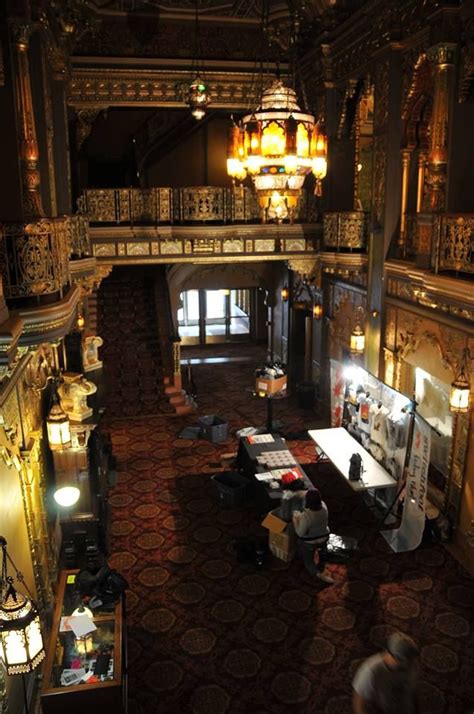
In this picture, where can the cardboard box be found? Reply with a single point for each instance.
(270, 386)
(281, 537)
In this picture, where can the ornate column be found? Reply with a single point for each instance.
(20, 31)
(406, 155)
(442, 57)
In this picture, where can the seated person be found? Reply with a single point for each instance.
(293, 498)
(311, 526)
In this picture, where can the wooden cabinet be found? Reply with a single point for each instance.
(98, 658)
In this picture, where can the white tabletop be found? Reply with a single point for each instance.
(339, 445)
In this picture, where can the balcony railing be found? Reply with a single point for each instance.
(34, 257)
(454, 248)
(197, 204)
(345, 231)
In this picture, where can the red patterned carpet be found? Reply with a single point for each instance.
(209, 635)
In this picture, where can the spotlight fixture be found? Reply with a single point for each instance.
(460, 394)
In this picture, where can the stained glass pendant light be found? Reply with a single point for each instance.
(198, 91)
(278, 145)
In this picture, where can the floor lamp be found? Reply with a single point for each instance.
(21, 641)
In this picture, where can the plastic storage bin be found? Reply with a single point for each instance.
(231, 488)
(213, 428)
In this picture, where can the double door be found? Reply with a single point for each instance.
(212, 316)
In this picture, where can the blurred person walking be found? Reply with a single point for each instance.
(386, 683)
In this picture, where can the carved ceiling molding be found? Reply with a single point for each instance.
(117, 87)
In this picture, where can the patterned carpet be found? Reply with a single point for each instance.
(209, 635)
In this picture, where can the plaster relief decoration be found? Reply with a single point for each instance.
(90, 352)
(73, 393)
(233, 246)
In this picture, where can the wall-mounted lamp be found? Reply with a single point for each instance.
(317, 311)
(21, 641)
(357, 341)
(57, 424)
(285, 293)
(459, 396)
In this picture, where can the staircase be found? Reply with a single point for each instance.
(131, 319)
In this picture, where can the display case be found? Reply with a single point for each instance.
(85, 673)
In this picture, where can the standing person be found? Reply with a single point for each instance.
(386, 682)
(311, 527)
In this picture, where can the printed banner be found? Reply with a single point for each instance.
(408, 536)
(338, 386)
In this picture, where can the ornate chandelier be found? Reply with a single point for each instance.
(278, 146)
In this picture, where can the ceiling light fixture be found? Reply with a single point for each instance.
(198, 92)
(278, 145)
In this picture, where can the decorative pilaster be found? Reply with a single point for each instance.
(31, 198)
(442, 57)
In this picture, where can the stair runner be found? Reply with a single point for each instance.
(132, 354)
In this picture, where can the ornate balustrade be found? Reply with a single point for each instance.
(344, 231)
(34, 257)
(454, 242)
(197, 204)
(78, 236)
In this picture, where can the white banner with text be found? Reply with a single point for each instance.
(408, 536)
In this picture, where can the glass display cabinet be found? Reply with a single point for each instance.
(85, 671)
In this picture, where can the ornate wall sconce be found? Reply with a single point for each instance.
(357, 341)
(57, 425)
(285, 293)
(317, 311)
(21, 640)
(460, 393)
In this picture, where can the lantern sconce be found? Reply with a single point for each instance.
(460, 393)
(21, 640)
(285, 293)
(57, 425)
(317, 311)
(357, 341)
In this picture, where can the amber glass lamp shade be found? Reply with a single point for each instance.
(285, 294)
(317, 311)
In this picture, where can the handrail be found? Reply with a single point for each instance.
(195, 204)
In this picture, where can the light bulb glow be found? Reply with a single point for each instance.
(67, 496)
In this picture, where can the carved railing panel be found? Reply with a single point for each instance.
(455, 243)
(34, 257)
(78, 235)
(203, 204)
(347, 230)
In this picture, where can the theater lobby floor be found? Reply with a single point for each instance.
(208, 634)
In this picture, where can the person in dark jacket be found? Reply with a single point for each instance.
(312, 530)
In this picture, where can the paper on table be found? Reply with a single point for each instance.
(81, 625)
(267, 476)
(261, 439)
